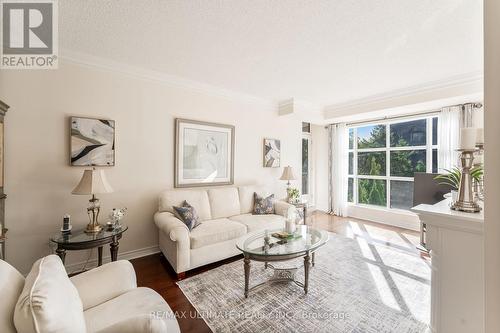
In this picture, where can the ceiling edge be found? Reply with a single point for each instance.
(454, 86)
(171, 80)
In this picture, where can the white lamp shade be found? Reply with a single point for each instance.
(93, 182)
(288, 174)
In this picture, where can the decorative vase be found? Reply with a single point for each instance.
(290, 226)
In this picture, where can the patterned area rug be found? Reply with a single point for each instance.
(355, 286)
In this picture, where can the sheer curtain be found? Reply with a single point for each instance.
(448, 137)
(338, 158)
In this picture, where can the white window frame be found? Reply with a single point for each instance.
(429, 147)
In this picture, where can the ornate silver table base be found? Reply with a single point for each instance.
(279, 274)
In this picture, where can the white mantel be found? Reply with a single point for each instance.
(455, 241)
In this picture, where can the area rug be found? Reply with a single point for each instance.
(355, 286)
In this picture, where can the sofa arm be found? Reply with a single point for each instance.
(281, 207)
(104, 283)
(174, 240)
(176, 230)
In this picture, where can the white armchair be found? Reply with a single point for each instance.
(105, 299)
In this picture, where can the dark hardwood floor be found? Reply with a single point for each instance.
(155, 272)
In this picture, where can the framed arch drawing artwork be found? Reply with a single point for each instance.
(204, 153)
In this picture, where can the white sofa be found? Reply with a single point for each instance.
(105, 299)
(226, 215)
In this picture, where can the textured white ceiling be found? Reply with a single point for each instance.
(322, 51)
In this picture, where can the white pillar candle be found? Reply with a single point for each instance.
(480, 136)
(468, 138)
(478, 159)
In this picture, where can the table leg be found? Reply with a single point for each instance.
(99, 256)
(305, 214)
(307, 264)
(313, 256)
(265, 265)
(114, 250)
(61, 253)
(246, 265)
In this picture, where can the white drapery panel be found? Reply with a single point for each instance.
(339, 137)
(448, 137)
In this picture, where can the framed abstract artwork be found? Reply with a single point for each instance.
(272, 153)
(92, 142)
(204, 153)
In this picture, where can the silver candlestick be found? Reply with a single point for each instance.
(466, 202)
(478, 183)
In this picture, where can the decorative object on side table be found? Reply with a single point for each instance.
(287, 175)
(92, 142)
(204, 153)
(115, 217)
(466, 200)
(82, 240)
(272, 153)
(66, 228)
(478, 183)
(290, 220)
(93, 182)
(293, 194)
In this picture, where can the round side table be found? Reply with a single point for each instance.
(303, 206)
(80, 240)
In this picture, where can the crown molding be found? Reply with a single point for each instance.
(458, 85)
(107, 64)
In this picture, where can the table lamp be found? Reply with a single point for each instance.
(93, 182)
(287, 175)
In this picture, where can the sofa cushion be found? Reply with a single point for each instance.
(196, 198)
(49, 301)
(263, 205)
(224, 202)
(11, 285)
(216, 231)
(139, 310)
(246, 197)
(260, 222)
(188, 215)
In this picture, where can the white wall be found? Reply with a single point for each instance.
(492, 165)
(39, 179)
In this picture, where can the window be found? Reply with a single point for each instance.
(307, 168)
(383, 158)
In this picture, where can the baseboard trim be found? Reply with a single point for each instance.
(127, 255)
(400, 219)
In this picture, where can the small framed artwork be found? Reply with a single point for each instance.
(204, 153)
(92, 142)
(272, 152)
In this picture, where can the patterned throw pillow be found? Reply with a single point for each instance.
(262, 206)
(187, 214)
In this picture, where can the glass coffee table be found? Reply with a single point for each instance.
(262, 246)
